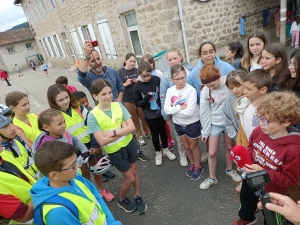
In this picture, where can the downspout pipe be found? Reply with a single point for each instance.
(183, 32)
(283, 6)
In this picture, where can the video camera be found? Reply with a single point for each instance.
(258, 180)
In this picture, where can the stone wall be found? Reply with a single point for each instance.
(158, 23)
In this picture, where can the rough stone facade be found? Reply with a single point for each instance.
(158, 23)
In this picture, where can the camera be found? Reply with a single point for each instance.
(258, 180)
(94, 43)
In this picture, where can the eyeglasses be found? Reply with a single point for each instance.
(179, 79)
(264, 121)
(73, 167)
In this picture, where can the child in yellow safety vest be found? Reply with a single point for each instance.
(25, 122)
(111, 124)
(61, 196)
(75, 115)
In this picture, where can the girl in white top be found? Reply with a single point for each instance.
(295, 28)
(212, 119)
(181, 103)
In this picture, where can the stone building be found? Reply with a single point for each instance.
(17, 47)
(138, 26)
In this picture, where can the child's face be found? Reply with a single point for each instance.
(57, 126)
(130, 63)
(9, 131)
(84, 101)
(229, 55)
(275, 129)
(237, 90)
(23, 107)
(174, 59)
(293, 67)
(256, 46)
(105, 96)
(208, 54)
(252, 92)
(62, 100)
(68, 170)
(180, 80)
(145, 76)
(214, 85)
(268, 61)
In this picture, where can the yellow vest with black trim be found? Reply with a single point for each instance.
(106, 123)
(13, 185)
(90, 211)
(24, 159)
(31, 132)
(75, 125)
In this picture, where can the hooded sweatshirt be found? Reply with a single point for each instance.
(194, 80)
(41, 191)
(212, 113)
(231, 120)
(280, 157)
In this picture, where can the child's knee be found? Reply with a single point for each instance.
(212, 154)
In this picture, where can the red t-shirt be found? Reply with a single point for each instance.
(11, 207)
(72, 89)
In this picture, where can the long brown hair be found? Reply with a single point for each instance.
(54, 90)
(246, 60)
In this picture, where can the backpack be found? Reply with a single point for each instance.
(54, 200)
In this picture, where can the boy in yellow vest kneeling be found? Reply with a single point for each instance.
(62, 197)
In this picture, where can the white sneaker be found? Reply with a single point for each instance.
(233, 174)
(207, 183)
(292, 44)
(141, 140)
(170, 155)
(183, 161)
(204, 156)
(296, 46)
(158, 158)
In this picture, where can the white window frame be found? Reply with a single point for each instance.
(91, 36)
(37, 8)
(42, 41)
(60, 45)
(51, 2)
(43, 6)
(55, 47)
(107, 40)
(49, 47)
(76, 43)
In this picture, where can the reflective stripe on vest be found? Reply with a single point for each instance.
(31, 132)
(75, 125)
(106, 123)
(24, 159)
(90, 211)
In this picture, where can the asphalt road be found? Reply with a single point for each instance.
(171, 197)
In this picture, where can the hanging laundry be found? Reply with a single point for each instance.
(242, 28)
(266, 17)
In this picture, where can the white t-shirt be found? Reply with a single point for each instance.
(250, 120)
(255, 66)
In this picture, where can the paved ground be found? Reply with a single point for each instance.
(170, 196)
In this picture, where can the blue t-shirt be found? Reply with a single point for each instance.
(93, 125)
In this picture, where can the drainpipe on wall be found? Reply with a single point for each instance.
(283, 6)
(183, 32)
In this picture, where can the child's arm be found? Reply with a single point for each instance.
(78, 144)
(127, 128)
(22, 135)
(230, 129)
(168, 108)
(164, 85)
(138, 99)
(205, 115)
(191, 103)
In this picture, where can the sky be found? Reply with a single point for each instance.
(10, 15)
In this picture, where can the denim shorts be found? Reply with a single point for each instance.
(191, 131)
(216, 130)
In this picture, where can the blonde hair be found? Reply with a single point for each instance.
(279, 107)
(176, 50)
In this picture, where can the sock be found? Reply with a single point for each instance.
(212, 178)
(228, 170)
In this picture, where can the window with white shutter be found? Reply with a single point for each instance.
(107, 39)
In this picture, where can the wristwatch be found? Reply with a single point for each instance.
(86, 58)
(115, 133)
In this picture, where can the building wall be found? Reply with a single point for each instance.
(19, 57)
(158, 23)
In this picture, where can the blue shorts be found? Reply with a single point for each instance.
(216, 130)
(191, 131)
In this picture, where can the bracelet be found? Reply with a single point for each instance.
(115, 133)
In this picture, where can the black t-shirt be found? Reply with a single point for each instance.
(124, 75)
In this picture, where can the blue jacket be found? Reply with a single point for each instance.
(41, 191)
(86, 79)
(194, 79)
(165, 83)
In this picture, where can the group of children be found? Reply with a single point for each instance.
(255, 106)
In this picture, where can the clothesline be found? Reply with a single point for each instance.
(245, 16)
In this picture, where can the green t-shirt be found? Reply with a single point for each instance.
(93, 125)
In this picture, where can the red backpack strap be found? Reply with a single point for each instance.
(78, 110)
(68, 138)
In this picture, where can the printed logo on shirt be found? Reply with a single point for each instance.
(178, 100)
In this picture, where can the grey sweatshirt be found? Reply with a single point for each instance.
(231, 119)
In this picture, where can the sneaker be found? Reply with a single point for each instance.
(127, 205)
(140, 205)
(107, 195)
(141, 140)
(104, 179)
(190, 171)
(183, 161)
(292, 44)
(158, 158)
(242, 222)
(197, 173)
(148, 136)
(169, 154)
(233, 174)
(204, 156)
(207, 183)
(143, 157)
(296, 46)
(171, 145)
(238, 188)
(109, 174)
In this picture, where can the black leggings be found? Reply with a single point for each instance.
(157, 128)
